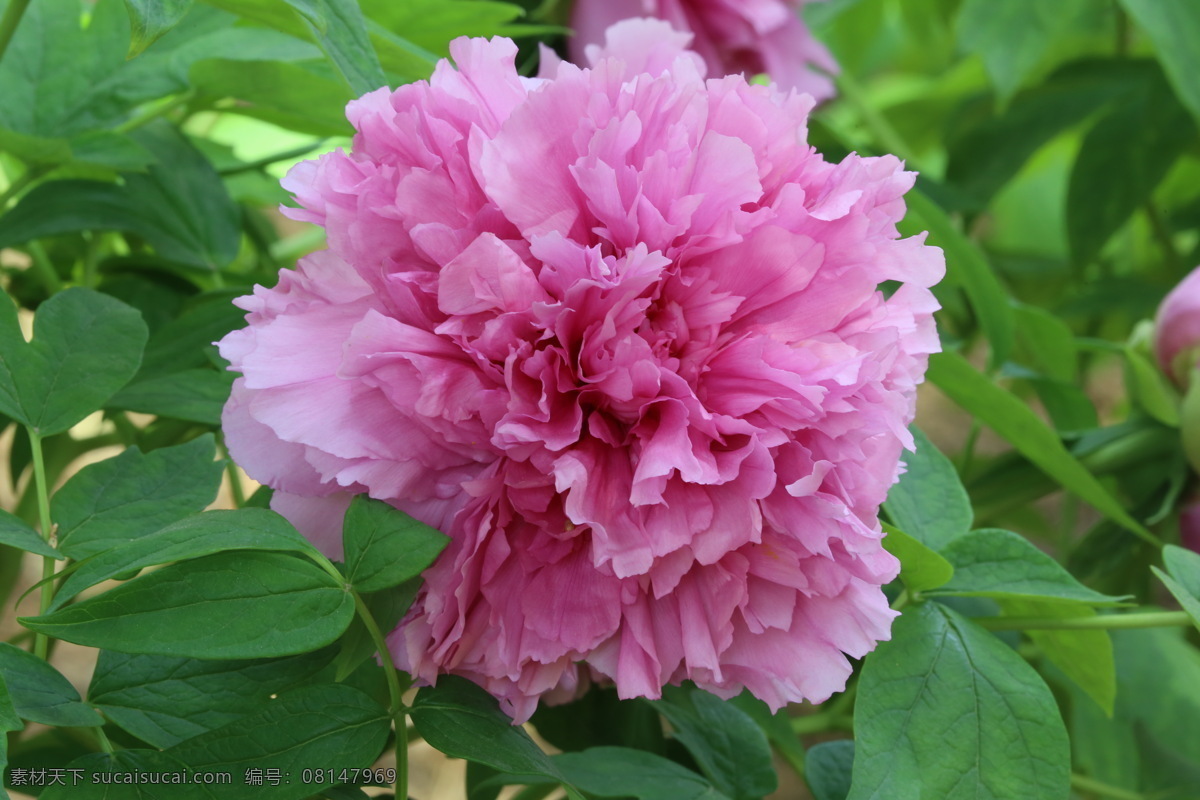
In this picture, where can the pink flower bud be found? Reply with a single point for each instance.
(732, 36)
(1189, 526)
(1177, 329)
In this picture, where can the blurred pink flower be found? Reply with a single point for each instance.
(1189, 525)
(1177, 329)
(732, 36)
(617, 332)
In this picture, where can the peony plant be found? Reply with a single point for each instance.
(615, 331)
(582, 399)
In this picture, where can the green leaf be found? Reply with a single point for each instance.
(1084, 656)
(117, 151)
(625, 772)
(920, 567)
(967, 267)
(150, 19)
(1184, 566)
(298, 97)
(122, 499)
(384, 546)
(1122, 159)
(179, 205)
(600, 719)
(1047, 343)
(230, 605)
(1035, 116)
(1013, 36)
(83, 785)
(995, 563)
(777, 725)
(331, 726)
(179, 345)
(947, 710)
(1016, 422)
(85, 347)
(1149, 388)
(827, 769)
(193, 395)
(39, 693)
(463, 721)
(165, 700)
(1174, 27)
(1158, 671)
(207, 33)
(339, 27)
(9, 721)
(198, 535)
(432, 24)
(1183, 581)
(15, 533)
(56, 76)
(730, 749)
(1069, 407)
(929, 502)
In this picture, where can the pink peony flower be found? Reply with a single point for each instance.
(732, 36)
(617, 332)
(1177, 329)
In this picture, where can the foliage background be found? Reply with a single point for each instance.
(141, 145)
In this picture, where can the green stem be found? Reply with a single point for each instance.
(535, 792)
(266, 161)
(154, 112)
(44, 268)
(843, 704)
(968, 453)
(10, 21)
(821, 722)
(397, 710)
(102, 738)
(885, 135)
(393, 681)
(1162, 235)
(1070, 518)
(1085, 784)
(41, 643)
(16, 187)
(91, 258)
(126, 430)
(235, 480)
(401, 787)
(1153, 619)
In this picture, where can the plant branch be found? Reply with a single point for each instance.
(16, 187)
(1162, 235)
(41, 642)
(231, 469)
(267, 161)
(397, 710)
(44, 268)
(1085, 784)
(885, 135)
(1153, 619)
(155, 111)
(821, 722)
